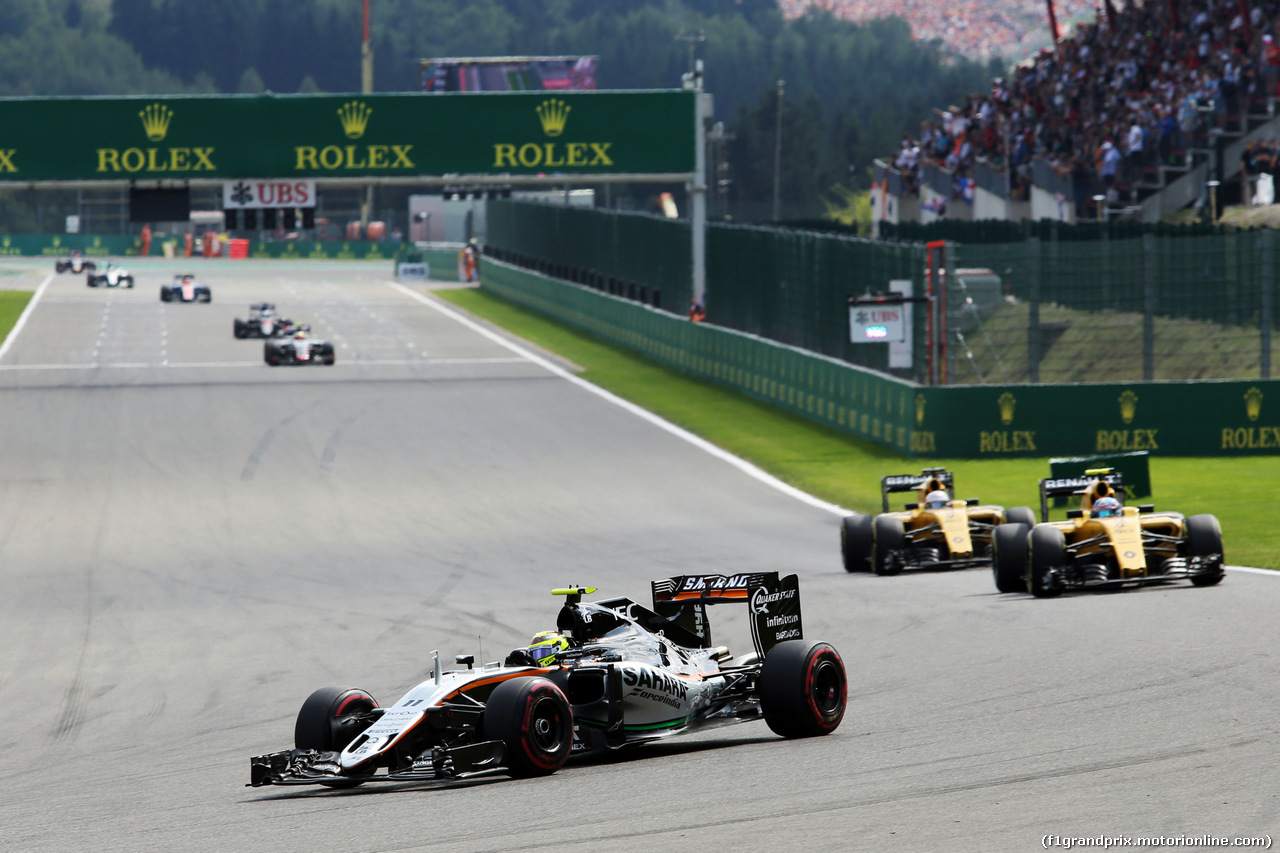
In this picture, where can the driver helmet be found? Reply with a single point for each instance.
(1106, 507)
(545, 645)
(936, 499)
(299, 334)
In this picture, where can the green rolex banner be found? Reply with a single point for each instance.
(346, 136)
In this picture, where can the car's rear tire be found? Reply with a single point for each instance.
(207, 296)
(165, 294)
(1020, 515)
(803, 688)
(127, 281)
(1204, 538)
(91, 280)
(888, 538)
(533, 720)
(1009, 556)
(329, 720)
(61, 267)
(855, 542)
(1048, 556)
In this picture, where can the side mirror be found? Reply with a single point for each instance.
(467, 659)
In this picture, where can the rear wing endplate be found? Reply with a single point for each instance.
(913, 482)
(773, 601)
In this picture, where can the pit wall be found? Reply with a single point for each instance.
(1170, 418)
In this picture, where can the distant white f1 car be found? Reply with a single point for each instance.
(113, 276)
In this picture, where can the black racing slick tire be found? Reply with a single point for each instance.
(855, 542)
(240, 328)
(127, 281)
(1048, 555)
(803, 688)
(1020, 515)
(532, 718)
(1009, 556)
(166, 294)
(888, 539)
(1204, 539)
(330, 719)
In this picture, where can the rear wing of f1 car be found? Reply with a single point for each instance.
(1062, 487)
(772, 601)
(914, 482)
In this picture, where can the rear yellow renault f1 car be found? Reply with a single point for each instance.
(935, 532)
(1105, 544)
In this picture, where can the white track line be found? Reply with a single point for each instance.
(26, 312)
(702, 444)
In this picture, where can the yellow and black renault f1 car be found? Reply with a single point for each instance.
(936, 531)
(1105, 544)
(616, 674)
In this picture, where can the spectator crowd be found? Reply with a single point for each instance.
(1134, 88)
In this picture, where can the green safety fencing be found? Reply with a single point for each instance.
(634, 249)
(1007, 231)
(993, 421)
(842, 396)
(790, 286)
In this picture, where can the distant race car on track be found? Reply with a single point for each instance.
(75, 263)
(263, 322)
(113, 276)
(298, 348)
(185, 288)
(612, 674)
(1105, 544)
(934, 532)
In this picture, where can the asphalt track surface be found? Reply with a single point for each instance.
(191, 542)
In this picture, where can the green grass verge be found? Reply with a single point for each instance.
(12, 302)
(847, 471)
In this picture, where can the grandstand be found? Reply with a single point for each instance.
(1144, 111)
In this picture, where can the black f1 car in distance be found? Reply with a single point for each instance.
(185, 288)
(299, 348)
(1105, 544)
(616, 674)
(74, 263)
(112, 276)
(263, 322)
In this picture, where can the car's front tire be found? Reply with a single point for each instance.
(533, 720)
(166, 294)
(1048, 556)
(889, 537)
(330, 719)
(803, 688)
(855, 542)
(1009, 556)
(1204, 538)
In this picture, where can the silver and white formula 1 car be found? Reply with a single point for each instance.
(618, 674)
(112, 276)
(298, 348)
